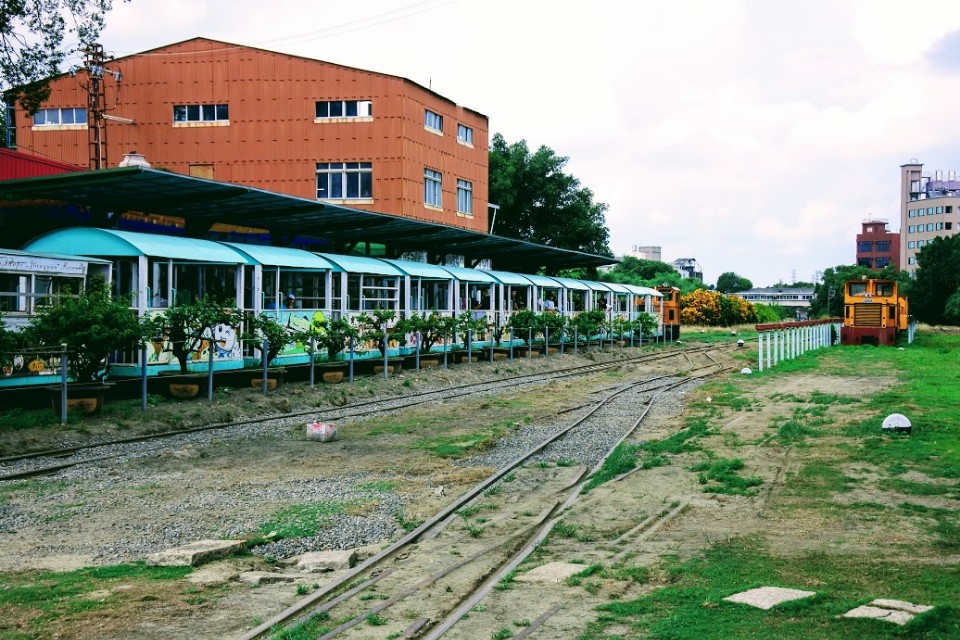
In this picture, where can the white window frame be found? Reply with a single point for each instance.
(432, 121)
(201, 115)
(465, 134)
(432, 188)
(464, 197)
(340, 174)
(363, 109)
(60, 111)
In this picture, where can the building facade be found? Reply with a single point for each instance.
(273, 121)
(929, 208)
(877, 246)
(797, 300)
(688, 268)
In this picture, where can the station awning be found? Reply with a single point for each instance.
(89, 241)
(201, 203)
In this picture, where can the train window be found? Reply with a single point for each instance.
(857, 288)
(884, 289)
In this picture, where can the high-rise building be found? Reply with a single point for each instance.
(929, 208)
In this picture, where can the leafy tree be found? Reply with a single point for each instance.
(937, 281)
(92, 325)
(187, 325)
(649, 273)
(729, 282)
(711, 308)
(32, 47)
(540, 203)
(823, 305)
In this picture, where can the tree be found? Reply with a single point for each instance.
(92, 325)
(729, 282)
(540, 203)
(649, 273)
(32, 47)
(937, 281)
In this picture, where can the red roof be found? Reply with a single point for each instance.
(14, 164)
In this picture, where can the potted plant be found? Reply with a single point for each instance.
(552, 325)
(92, 325)
(376, 327)
(587, 324)
(469, 327)
(525, 325)
(184, 328)
(266, 328)
(333, 336)
(431, 330)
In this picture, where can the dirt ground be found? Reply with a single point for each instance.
(740, 427)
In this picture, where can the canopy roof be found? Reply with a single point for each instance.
(510, 278)
(201, 203)
(420, 269)
(90, 241)
(470, 275)
(361, 264)
(281, 257)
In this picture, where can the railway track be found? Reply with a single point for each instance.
(26, 465)
(418, 571)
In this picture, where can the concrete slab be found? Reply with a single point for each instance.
(768, 597)
(895, 611)
(319, 561)
(887, 615)
(551, 572)
(195, 553)
(216, 573)
(901, 605)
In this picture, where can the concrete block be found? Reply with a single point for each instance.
(195, 553)
(265, 577)
(768, 597)
(319, 561)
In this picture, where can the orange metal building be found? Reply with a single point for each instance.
(278, 122)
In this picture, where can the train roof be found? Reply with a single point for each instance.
(201, 203)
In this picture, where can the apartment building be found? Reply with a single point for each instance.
(877, 246)
(929, 208)
(273, 121)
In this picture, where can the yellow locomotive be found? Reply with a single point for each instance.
(873, 312)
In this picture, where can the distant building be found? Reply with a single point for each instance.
(688, 268)
(877, 246)
(929, 208)
(646, 253)
(796, 299)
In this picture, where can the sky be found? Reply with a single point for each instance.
(752, 135)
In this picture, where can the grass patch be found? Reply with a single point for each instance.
(303, 520)
(721, 476)
(455, 446)
(691, 606)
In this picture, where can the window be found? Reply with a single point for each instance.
(464, 134)
(433, 188)
(464, 197)
(883, 245)
(912, 245)
(864, 246)
(201, 113)
(949, 209)
(912, 213)
(930, 226)
(939, 209)
(911, 260)
(882, 262)
(948, 225)
(344, 109)
(433, 121)
(920, 212)
(58, 117)
(911, 229)
(344, 180)
(929, 211)
(939, 226)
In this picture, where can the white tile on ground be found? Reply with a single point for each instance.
(901, 605)
(768, 597)
(888, 615)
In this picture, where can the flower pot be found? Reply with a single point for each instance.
(274, 379)
(82, 398)
(394, 366)
(427, 360)
(460, 357)
(180, 386)
(499, 353)
(332, 372)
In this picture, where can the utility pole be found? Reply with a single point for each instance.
(97, 103)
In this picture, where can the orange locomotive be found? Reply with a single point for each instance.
(873, 312)
(669, 309)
